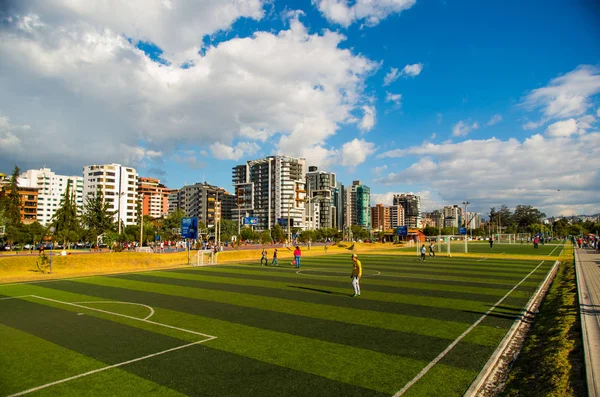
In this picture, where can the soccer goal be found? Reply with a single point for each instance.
(447, 244)
(507, 238)
(205, 258)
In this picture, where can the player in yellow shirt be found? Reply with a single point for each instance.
(356, 274)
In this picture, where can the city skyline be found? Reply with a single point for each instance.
(452, 102)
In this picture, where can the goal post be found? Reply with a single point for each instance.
(506, 239)
(205, 258)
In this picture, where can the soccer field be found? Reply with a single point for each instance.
(419, 328)
(483, 247)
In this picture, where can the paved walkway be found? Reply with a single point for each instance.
(588, 281)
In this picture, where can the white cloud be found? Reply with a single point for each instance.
(563, 128)
(368, 121)
(356, 152)
(567, 95)
(225, 152)
(391, 76)
(394, 98)
(598, 112)
(176, 27)
(566, 128)
(369, 11)
(408, 71)
(462, 128)
(492, 172)
(495, 119)
(532, 125)
(412, 70)
(290, 87)
(11, 136)
(379, 170)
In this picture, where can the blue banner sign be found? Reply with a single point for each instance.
(189, 228)
(250, 220)
(462, 230)
(402, 230)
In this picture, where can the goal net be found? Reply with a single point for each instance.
(506, 238)
(205, 258)
(447, 244)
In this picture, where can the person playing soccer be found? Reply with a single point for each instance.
(356, 275)
(264, 258)
(431, 251)
(423, 252)
(274, 262)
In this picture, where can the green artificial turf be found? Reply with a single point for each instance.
(279, 331)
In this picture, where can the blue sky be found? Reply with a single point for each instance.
(491, 102)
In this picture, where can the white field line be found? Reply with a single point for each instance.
(479, 260)
(105, 368)
(122, 303)
(14, 297)
(330, 271)
(126, 316)
(554, 250)
(208, 338)
(451, 346)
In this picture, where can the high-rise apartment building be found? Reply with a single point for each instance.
(173, 202)
(338, 200)
(154, 196)
(118, 185)
(387, 217)
(412, 208)
(452, 216)
(358, 205)
(272, 189)
(206, 202)
(29, 199)
(321, 187)
(51, 190)
(380, 217)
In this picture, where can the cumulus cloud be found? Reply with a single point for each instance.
(492, 172)
(225, 152)
(494, 120)
(394, 98)
(356, 152)
(368, 121)
(563, 128)
(291, 87)
(371, 12)
(462, 128)
(379, 170)
(567, 95)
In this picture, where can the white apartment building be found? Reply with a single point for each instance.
(272, 189)
(52, 188)
(118, 185)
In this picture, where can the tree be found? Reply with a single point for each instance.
(247, 234)
(358, 233)
(306, 236)
(65, 220)
(431, 231)
(227, 228)
(96, 216)
(526, 215)
(265, 237)
(277, 233)
(11, 201)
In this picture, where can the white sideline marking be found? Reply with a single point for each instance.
(123, 303)
(479, 260)
(105, 368)
(14, 297)
(208, 338)
(554, 249)
(451, 346)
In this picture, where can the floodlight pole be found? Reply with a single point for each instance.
(142, 221)
(466, 203)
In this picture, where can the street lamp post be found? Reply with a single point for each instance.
(141, 221)
(466, 203)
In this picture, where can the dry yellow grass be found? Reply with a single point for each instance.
(21, 268)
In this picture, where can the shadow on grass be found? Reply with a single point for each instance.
(504, 316)
(323, 291)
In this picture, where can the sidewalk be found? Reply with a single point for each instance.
(587, 262)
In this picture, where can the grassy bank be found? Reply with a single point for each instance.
(552, 363)
(20, 268)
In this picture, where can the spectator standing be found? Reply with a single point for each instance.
(297, 255)
(274, 262)
(264, 258)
